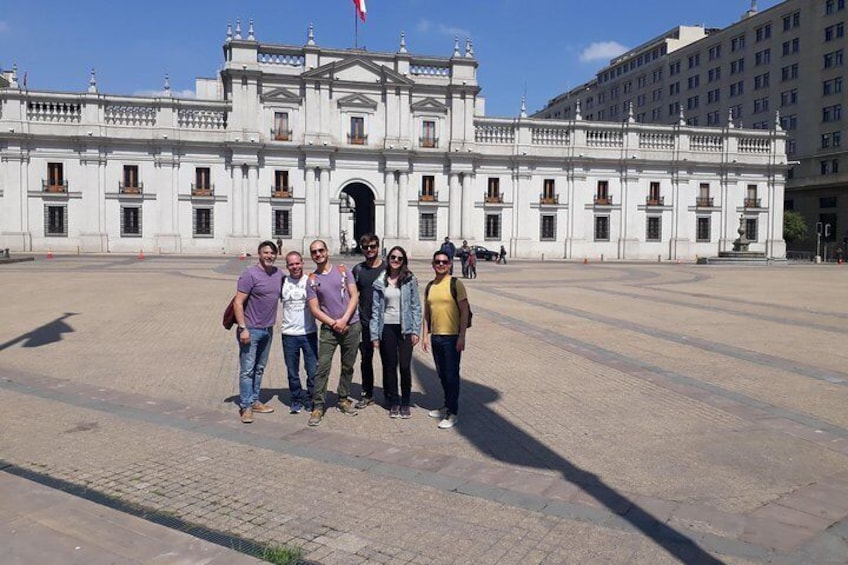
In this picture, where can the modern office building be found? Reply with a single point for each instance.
(299, 142)
(787, 59)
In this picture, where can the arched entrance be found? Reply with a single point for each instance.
(363, 213)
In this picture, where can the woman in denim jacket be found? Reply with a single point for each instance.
(396, 321)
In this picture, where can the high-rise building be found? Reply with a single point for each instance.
(787, 60)
(301, 141)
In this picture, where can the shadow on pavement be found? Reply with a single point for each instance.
(50, 332)
(497, 437)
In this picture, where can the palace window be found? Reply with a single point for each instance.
(428, 188)
(493, 226)
(428, 134)
(202, 222)
(130, 221)
(602, 195)
(602, 232)
(547, 227)
(653, 230)
(281, 130)
(202, 180)
(55, 220)
(654, 196)
(282, 223)
(427, 226)
(357, 131)
(130, 183)
(703, 229)
(55, 178)
(493, 191)
(751, 229)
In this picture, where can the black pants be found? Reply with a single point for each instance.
(396, 349)
(366, 365)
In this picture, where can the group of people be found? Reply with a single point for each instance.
(374, 306)
(468, 257)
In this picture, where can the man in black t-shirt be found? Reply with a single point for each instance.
(365, 273)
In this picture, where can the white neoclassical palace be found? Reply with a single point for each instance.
(299, 142)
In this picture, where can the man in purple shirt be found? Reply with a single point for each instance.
(255, 309)
(332, 298)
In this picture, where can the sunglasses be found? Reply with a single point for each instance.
(441, 262)
(317, 251)
(395, 257)
(371, 246)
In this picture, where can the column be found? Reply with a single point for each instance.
(403, 206)
(236, 201)
(390, 206)
(252, 202)
(467, 211)
(454, 207)
(311, 204)
(324, 203)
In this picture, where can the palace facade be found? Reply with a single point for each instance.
(299, 142)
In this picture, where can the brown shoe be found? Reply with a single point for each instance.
(246, 415)
(260, 408)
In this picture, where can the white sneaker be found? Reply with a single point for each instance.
(449, 422)
(440, 413)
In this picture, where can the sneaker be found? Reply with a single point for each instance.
(345, 406)
(440, 413)
(260, 408)
(364, 403)
(394, 411)
(246, 415)
(315, 417)
(449, 422)
(405, 412)
(296, 407)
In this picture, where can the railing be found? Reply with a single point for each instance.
(550, 136)
(492, 198)
(752, 203)
(281, 134)
(548, 198)
(710, 143)
(50, 111)
(704, 201)
(603, 200)
(202, 190)
(494, 133)
(428, 141)
(649, 140)
(201, 119)
(285, 59)
(432, 196)
(281, 192)
(655, 200)
(356, 139)
(135, 188)
(604, 138)
(754, 145)
(54, 186)
(429, 70)
(130, 115)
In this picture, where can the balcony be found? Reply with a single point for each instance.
(548, 198)
(281, 134)
(130, 188)
(202, 190)
(429, 142)
(704, 201)
(605, 200)
(428, 196)
(493, 197)
(655, 200)
(752, 203)
(281, 192)
(357, 139)
(60, 186)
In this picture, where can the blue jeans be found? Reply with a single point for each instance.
(447, 360)
(292, 346)
(253, 357)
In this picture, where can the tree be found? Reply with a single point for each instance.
(794, 227)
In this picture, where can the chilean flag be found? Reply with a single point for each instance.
(360, 8)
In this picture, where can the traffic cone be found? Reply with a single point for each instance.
(140, 254)
(49, 254)
(585, 261)
(242, 256)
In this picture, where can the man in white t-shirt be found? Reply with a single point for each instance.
(299, 334)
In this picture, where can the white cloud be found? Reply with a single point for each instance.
(5, 27)
(426, 26)
(602, 50)
(188, 93)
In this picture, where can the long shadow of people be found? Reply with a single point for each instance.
(495, 436)
(50, 332)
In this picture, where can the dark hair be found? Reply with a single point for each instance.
(403, 273)
(267, 243)
(440, 252)
(368, 238)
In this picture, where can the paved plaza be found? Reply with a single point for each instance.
(610, 413)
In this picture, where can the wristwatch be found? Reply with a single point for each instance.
(240, 328)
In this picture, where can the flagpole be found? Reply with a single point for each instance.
(355, 27)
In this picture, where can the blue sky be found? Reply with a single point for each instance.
(547, 45)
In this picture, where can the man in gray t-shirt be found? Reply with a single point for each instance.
(332, 298)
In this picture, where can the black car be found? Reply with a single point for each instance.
(482, 253)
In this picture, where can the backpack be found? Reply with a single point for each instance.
(453, 294)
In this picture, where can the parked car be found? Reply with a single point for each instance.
(482, 253)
